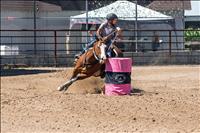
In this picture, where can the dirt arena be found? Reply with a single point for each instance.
(165, 99)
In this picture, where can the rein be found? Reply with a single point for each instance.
(95, 55)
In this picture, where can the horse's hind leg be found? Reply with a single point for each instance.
(75, 77)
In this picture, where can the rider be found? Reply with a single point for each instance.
(103, 31)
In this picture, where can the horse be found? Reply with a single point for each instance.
(91, 63)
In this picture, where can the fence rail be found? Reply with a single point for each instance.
(57, 47)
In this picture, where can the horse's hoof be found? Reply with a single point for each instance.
(60, 88)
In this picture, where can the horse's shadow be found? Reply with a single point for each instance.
(137, 92)
(134, 92)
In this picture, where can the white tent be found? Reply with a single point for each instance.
(125, 11)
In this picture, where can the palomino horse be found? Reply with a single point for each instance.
(91, 63)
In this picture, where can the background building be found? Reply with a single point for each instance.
(43, 26)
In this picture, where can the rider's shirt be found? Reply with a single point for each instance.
(107, 29)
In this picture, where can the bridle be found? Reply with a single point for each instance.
(99, 59)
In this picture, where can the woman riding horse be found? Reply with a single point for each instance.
(103, 31)
(92, 62)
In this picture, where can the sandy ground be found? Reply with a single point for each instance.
(165, 99)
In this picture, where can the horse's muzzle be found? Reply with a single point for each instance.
(102, 61)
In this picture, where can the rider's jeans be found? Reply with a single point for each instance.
(89, 45)
(109, 51)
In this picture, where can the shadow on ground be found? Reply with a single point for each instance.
(137, 91)
(16, 72)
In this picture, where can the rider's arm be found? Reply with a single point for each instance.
(99, 31)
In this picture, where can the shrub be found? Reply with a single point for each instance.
(192, 34)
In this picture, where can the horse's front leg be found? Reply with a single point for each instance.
(66, 85)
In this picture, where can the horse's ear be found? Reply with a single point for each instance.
(101, 40)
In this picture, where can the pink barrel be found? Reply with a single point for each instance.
(118, 76)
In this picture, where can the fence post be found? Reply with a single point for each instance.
(35, 26)
(55, 47)
(170, 42)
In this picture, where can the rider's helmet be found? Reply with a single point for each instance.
(111, 16)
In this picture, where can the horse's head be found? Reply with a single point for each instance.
(100, 50)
